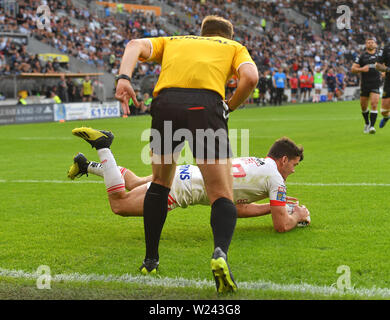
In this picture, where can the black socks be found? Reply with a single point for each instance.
(365, 116)
(155, 213)
(373, 116)
(223, 221)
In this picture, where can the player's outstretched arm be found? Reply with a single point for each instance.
(284, 222)
(251, 210)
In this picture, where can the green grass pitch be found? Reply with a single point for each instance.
(70, 228)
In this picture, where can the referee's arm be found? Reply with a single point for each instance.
(248, 77)
(135, 49)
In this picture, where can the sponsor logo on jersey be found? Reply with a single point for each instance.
(281, 195)
(242, 201)
(184, 172)
(258, 162)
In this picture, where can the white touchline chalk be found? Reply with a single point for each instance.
(193, 283)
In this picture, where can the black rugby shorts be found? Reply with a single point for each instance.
(196, 115)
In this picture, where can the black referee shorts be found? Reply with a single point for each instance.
(195, 115)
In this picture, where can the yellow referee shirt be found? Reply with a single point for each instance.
(197, 62)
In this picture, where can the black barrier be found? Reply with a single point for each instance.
(7, 114)
(34, 113)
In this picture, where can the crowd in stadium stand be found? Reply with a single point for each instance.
(273, 41)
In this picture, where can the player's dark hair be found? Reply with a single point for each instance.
(285, 147)
(216, 26)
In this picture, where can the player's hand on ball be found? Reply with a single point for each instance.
(307, 219)
(302, 212)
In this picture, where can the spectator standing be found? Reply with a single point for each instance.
(318, 80)
(303, 79)
(310, 84)
(63, 89)
(331, 83)
(279, 82)
(71, 90)
(294, 87)
(262, 85)
(87, 89)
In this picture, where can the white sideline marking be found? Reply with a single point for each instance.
(203, 284)
(341, 184)
(314, 184)
(297, 119)
(50, 181)
(44, 138)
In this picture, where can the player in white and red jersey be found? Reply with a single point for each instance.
(254, 179)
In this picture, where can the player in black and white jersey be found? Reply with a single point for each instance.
(369, 84)
(383, 65)
(254, 179)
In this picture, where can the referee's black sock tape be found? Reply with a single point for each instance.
(155, 213)
(223, 221)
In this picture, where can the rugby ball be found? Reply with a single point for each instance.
(290, 210)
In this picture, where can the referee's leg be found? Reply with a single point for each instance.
(218, 182)
(156, 207)
(219, 187)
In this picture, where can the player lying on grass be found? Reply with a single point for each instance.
(254, 179)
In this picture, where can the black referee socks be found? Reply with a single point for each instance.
(223, 221)
(155, 213)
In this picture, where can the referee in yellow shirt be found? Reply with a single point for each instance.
(188, 100)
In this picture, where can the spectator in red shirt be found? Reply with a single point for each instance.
(295, 66)
(294, 87)
(303, 80)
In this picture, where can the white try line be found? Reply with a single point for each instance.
(298, 119)
(51, 181)
(313, 184)
(341, 184)
(303, 288)
(36, 138)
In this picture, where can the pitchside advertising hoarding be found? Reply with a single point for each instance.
(7, 114)
(34, 113)
(86, 110)
(58, 112)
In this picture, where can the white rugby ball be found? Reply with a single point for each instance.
(290, 210)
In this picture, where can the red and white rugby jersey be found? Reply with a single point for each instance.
(254, 179)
